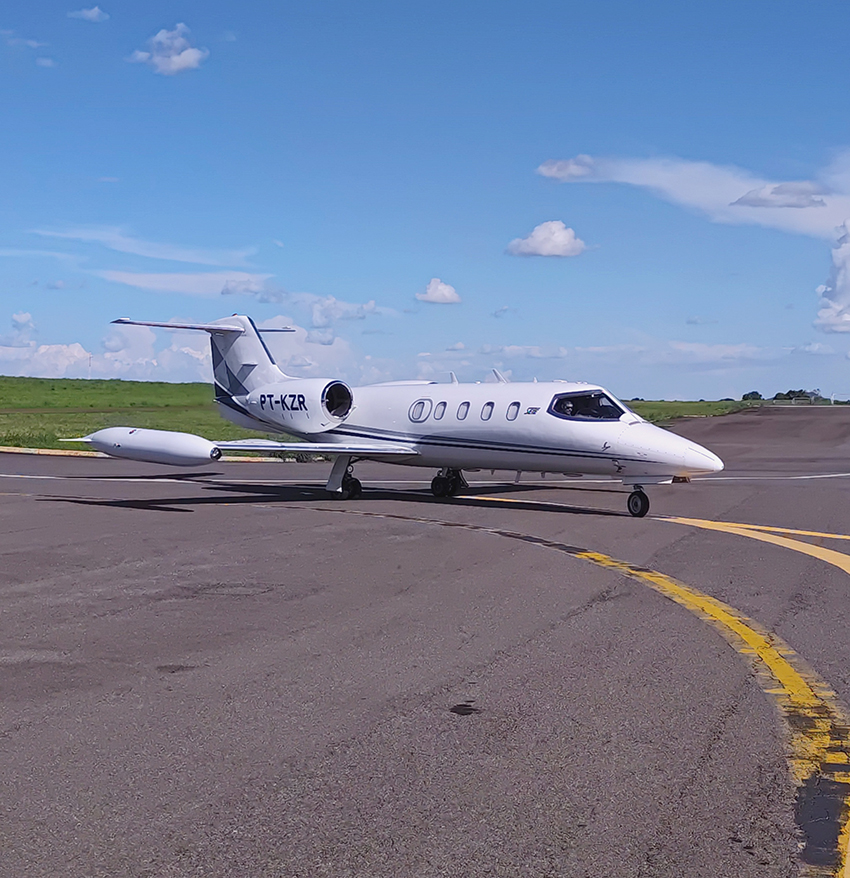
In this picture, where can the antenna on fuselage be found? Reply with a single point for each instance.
(500, 377)
(454, 378)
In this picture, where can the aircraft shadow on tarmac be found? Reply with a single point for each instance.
(306, 495)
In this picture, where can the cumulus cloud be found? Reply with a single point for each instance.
(94, 14)
(834, 312)
(206, 283)
(22, 330)
(439, 293)
(457, 346)
(170, 52)
(551, 238)
(118, 240)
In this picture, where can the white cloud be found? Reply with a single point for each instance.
(726, 194)
(834, 313)
(819, 208)
(802, 194)
(568, 169)
(94, 14)
(457, 346)
(533, 352)
(116, 239)
(22, 330)
(816, 348)
(45, 62)
(551, 238)
(208, 283)
(27, 254)
(439, 293)
(19, 41)
(170, 52)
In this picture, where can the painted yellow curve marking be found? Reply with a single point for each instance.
(816, 722)
(829, 740)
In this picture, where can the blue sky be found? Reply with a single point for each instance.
(649, 196)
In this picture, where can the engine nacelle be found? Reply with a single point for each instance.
(154, 446)
(302, 405)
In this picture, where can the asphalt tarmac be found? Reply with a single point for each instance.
(222, 672)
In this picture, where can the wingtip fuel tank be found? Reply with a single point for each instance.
(154, 446)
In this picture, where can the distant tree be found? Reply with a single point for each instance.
(753, 394)
(781, 396)
(727, 399)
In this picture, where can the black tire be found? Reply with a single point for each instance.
(441, 486)
(638, 504)
(355, 489)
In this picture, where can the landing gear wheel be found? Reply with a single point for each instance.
(441, 486)
(351, 488)
(638, 504)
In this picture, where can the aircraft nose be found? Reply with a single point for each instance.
(701, 460)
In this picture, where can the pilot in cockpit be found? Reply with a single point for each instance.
(564, 406)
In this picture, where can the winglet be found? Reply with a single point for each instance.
(500, 377)
(454, 378)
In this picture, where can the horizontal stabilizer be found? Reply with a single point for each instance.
(361, 450)
(206, 327)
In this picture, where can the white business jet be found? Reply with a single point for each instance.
(553, 427)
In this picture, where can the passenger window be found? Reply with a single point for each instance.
(487, 411)
(439, 411)
(420, 410)
(513, 411)
(590, 405)
(462, 410)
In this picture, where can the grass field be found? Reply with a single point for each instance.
(38, 412)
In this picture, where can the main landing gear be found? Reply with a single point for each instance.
(638, 503)
(448, 482)
(342, 485)
(351, 488)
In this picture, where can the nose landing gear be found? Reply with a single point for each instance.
(448, 482)
(638, 503)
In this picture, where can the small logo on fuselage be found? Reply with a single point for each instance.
(532, 410)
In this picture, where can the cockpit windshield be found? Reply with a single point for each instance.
(585, 405)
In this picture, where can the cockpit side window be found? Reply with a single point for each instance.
(585, 405)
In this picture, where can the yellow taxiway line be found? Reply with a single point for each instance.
(816, 724)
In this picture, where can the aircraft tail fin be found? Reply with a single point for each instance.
(240, 358)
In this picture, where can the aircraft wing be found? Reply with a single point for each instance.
(354, 449)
